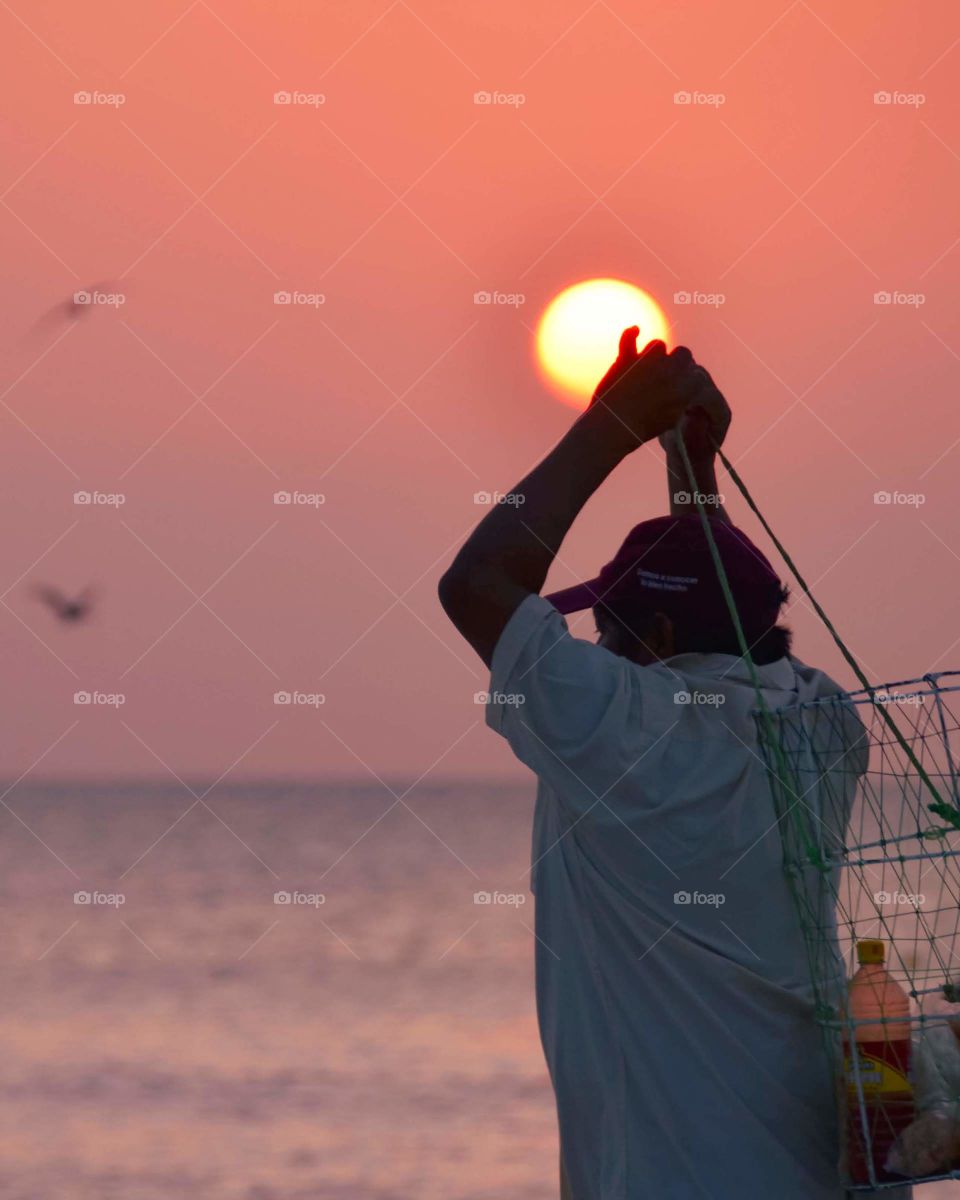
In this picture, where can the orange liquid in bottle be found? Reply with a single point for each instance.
(881, 1009)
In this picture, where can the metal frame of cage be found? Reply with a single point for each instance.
(916, 764)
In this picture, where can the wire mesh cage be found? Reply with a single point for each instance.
(867, 793)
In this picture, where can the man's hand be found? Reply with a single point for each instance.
(705, 422)
(643, 395)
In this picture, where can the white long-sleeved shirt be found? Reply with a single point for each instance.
(673, 985)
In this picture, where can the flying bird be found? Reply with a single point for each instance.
(70, 610)
(77, 305)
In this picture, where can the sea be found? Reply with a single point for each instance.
(272, 991)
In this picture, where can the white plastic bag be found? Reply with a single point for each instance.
(930, 1145)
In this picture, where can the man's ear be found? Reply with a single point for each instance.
(662, 637)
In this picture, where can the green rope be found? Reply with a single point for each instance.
(718, 564)
(780, 774)
(947, 812)
(772, 740)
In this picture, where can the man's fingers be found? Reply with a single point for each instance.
(654, 349)
(628, 343)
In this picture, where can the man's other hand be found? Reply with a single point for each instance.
(705, 422)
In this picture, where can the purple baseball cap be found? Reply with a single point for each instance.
(665, 565)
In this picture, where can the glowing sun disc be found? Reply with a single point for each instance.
(580, 329)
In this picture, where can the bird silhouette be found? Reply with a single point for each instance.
(76, 306)
(70, 610)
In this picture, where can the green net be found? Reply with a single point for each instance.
(867, 859)
(865, 790)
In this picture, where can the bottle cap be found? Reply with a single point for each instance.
(871, 951)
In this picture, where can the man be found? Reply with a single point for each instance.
(673, 993)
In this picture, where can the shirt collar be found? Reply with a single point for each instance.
(778, 674)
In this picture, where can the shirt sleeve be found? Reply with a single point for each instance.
(579, 716)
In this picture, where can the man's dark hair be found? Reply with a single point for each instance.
(717, 637)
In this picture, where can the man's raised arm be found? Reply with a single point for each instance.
(507, 556)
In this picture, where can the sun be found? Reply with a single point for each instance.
(579, 331)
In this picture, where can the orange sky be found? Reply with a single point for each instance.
(782, 187)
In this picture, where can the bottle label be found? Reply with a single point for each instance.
(882, 1068)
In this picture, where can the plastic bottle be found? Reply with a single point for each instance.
(880, 1010)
